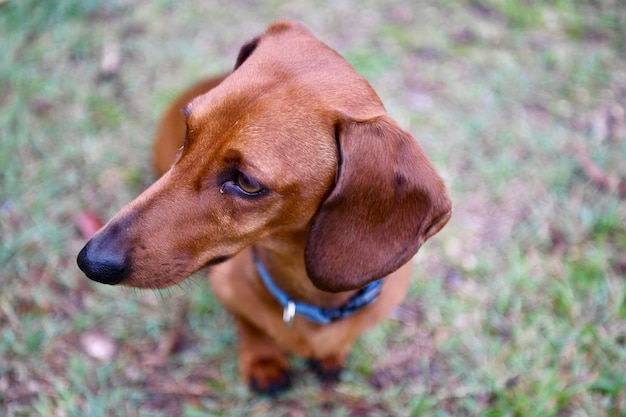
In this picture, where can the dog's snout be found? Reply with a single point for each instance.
(104, 266)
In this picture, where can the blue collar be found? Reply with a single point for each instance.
(364, 297)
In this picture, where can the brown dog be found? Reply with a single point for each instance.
(295, 184)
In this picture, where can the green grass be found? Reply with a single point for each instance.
(518, 308)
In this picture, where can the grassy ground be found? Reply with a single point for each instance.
(517, 309)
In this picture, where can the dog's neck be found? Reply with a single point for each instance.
(283, 257)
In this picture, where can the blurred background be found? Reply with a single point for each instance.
(517, 307)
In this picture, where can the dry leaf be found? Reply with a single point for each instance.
(98, 345)
(88, 223)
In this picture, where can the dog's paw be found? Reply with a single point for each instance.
(328, 369)
(267, 376)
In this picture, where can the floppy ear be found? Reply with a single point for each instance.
(245, 51)
(387, 201)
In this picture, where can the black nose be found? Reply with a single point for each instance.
(105, 266)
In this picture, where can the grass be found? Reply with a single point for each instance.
(517, 309)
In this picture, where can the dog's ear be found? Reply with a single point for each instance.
(246, 50)
(387, 201)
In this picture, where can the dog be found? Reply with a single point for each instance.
(289, 179)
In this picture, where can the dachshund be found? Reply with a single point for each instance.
(307, 200)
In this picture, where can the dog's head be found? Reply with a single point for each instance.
(294, 143)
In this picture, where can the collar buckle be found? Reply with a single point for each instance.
(289, 312)
(361, 299)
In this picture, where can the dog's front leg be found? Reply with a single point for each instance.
(262, 364)
(329, 368)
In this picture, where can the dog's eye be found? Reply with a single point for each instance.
(247, 185)
(242, 185)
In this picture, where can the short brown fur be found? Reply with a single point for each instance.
(349, 197)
